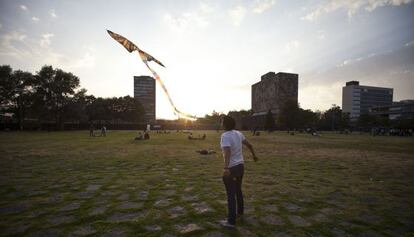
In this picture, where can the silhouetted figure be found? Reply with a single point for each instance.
(231, 144)
(206, 152)
(91, 129)
(103, 131)
(146, 136)
(139, 137)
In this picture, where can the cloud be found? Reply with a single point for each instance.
(46, 39)
(292, 45)
(391, 69)
(351, 7)
(53, 13)
(321, 35)
(35, 19)
(189, 20)
(262, 5)
(237, 14)
(16, 45)
(10, 44)
(1, 26)
(24, 8)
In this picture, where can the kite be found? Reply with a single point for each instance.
(148, 58)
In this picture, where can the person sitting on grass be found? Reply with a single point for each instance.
(231, 144)
(146, 135)
(139, 137)
(206, 151)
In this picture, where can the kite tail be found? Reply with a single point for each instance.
(176, 111)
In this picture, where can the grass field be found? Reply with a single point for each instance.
(70, 184)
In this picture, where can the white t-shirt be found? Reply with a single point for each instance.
(233, 139)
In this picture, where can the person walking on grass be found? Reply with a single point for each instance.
(231, 145)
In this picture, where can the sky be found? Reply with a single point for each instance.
(215, 50)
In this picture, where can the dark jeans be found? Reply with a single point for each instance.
(233, 183)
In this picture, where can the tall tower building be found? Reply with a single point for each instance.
(144, 92)
(357, 99)
(272, 92)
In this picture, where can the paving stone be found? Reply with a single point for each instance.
(93, 187)
(370, 233)
(36, 213)
(214, 234)
(70, 206)
(123, 197)
(189, 197)
(60, 219)
(339, 232)
(169, 192)
(251, 220)
(319, 217)
(109, 193)
(55, 198)
(46, 233)
(130, 205)
(37, 193)
(98, 211)
(153, 228)
(330, 211)
(12, 209)
(16, 229)
(371, 219)
(282, 234)
(270, 208)
(336, 195)
(143, 195)
(245, 232)
(189, 228)
(83, 231)
(291, 207)
(84, 195)
(188, 189)
(272, 220)
(125, 217)
(162, 202)
(114, 233)
(298, 221)
(168, 235)
(369, 200)
(201, 208)
(176, 211)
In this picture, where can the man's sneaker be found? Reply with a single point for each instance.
(225, 223)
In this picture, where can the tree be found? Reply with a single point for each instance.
(289, 115)
(16, 92)
(54, 90)
(270, 121)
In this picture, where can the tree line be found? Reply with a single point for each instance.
(53, 96)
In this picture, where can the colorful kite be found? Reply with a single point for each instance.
(147, 58)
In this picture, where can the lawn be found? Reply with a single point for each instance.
(70, 184)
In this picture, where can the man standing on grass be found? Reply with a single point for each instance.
(231, 144)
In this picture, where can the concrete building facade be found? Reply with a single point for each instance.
(358, 99)
(272, 92)
(403, 109)
(144, 92)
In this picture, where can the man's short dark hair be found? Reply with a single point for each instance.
(228, 123)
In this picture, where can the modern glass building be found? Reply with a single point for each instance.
(358, 99)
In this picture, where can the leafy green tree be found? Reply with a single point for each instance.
(16, 92)
(54, 90)
(289, 115)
